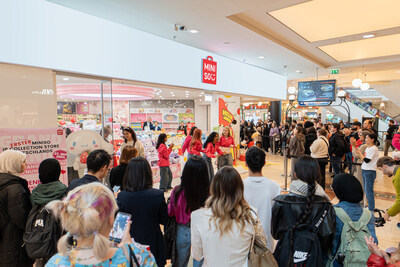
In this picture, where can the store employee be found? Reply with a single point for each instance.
(182, 127)
(148, 124)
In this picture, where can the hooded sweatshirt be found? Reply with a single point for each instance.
(45, 193)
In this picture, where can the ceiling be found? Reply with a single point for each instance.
(301, 39)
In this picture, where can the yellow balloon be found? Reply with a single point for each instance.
(185, 159)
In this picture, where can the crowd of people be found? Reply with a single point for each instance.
(217, 216)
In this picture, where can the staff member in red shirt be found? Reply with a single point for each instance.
(186, 143)
(211, 147)
(163, 162)
(226, 143)
(195, 145)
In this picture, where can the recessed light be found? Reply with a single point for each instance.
(187, 91)
(261, 57)
(66, 79)
(193, 31)
(172, 93)
(368, 36)
(299, 71)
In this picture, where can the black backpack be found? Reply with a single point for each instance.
(42, 232)
(300, 246)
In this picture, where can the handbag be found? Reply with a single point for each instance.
(260, 255)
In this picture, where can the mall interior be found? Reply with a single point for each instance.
(74, 75)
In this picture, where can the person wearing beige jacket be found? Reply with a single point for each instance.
(319, 150)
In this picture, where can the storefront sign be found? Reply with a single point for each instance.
(263, 106)
(313, 104)
(37, 144)
(209, 71)
(225, 117)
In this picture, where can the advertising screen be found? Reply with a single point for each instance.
(317, 91)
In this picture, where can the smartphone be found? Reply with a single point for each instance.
(116, 188)
(120, 224)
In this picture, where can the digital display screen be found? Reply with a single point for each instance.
(317, 91)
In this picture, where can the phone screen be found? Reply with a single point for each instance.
(120, 224)
(116, 188)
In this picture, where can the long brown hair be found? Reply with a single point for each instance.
(227, 202)
(196, 137)
(128, 153)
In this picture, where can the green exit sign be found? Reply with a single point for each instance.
(334, 71)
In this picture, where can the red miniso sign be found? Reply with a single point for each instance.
(209, 71)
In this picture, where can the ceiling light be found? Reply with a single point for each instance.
(66, 79)
(299, 71)
(341, 93)
(193, 31)
(259, 104)
(261, 57)
(187, 91)
(172, 93)
(291, 90)
(364, 86)
(292, 97)
(357, 82)
(368, 36)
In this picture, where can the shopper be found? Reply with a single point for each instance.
(285, 137)
(319, 150)
(265, 135)
(337, 148)
(350, 193)
(296, 147)
(87, 214)
(304, 204)
(310, 138)
(360, 143)
(188, 140)
(97, 163)
(195, 146)
(388, 166)
(222, 231)
(183, 128)
(148, 125)
(389, 137)
(163, 162)
(260, 191)
(367, 124)
(273, 135)
(15, 207)
(117, 173)
(156, 126)
(211, 147)
(368, 168)
(130, 139)
(396, 139)
(146, 205)
(187, 197)
(226, 143)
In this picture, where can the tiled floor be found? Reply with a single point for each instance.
(388, 236)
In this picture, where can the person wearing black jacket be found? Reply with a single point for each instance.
(97, 163)
(117, 173)
(303, 205)
(265, 134)
(14, 209)
(183, 128)
(389, 137)
(337, 148)
(310, 138)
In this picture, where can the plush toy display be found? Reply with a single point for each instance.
(82, 142)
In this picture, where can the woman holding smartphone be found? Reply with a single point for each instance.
(87, 214)
(163, 162)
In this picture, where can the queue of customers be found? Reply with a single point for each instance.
(216, 216)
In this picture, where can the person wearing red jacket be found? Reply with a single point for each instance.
(195, 144)
(187, 141)
(226, 143)
(380, 258)
(163, 162)
(211, 147)
(396, 140)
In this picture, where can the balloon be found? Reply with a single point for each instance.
(61, 122)
(73, 120)
(83, 157)
(110, 119)
(238, 111)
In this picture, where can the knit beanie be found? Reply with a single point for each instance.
(347, 188)
(308, 124)
(49, 171)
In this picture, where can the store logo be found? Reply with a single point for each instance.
(43, 92)
(209, 71)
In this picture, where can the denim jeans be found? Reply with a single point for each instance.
(368, 181)
(349, 158)
(183, 242)
(336, 164)
(165, 178)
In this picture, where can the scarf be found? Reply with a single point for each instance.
(11, 162)
(299, 187)
(44, 193)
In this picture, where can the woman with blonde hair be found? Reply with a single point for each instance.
(14, 209)
(226, 143)
(222, 232)
(87, 213)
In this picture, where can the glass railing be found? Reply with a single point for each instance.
(368, 107)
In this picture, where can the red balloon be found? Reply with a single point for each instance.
(110, 119)
(61, 122)
(238, 111)
(73, 120)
